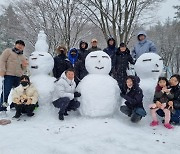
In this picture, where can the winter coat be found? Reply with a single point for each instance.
(120, 64)
(80, 70)
(64, 88)
(111, 49)
(82, 52)
(73, 57)
(162, 97)
(94, 49)
(20, 93)
(144, 46)
(133, 96)
(176, 100)
(11, 63)
(61, 63)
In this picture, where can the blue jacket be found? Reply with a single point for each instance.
(144, 46)
(73, 55)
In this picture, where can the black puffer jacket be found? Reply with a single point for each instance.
(111, 49)
(133, 96)
(176, 100)
(61, 63)
(120, 64)
(82, 52)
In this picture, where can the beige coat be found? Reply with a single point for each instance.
(20, 93)
(11, 63)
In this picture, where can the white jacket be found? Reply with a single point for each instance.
(64, 88)
(30, 93)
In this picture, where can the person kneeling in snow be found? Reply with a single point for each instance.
(65, 93)
(133, 95)
(25, 97)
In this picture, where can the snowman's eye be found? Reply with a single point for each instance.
(41, 55)
(105, 57)
(31, 54)
(160, 58)
(147, 59)
(93, 56)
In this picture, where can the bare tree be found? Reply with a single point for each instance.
(117, 18)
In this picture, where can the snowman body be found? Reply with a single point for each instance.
(100, 94)
(41, 64)
(148, 67)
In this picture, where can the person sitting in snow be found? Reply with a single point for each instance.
(133, 96)
(64, 96)
(120, 64)
(61, 62)
(175, 103)
(162, 97)
(25, 97)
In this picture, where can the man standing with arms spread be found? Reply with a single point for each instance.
(12, 65)
(143, 46)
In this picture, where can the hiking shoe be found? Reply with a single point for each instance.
(168, 126)
(65, 113)
(17, 116)
(154, 123)
(30, 114)
(61, 117)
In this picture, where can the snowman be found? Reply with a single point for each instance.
(99, 91)
(41, 64)
(148, 67)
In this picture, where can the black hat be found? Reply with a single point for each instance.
(20, 42)
(25, 77)
(122, 44)
(177, 76)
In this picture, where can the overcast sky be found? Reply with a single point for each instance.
(166, 10)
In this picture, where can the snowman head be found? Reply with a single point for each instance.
(40, 63)
(149, 65)
(98, 62)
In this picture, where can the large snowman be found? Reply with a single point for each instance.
(99, 91)
(148, 67)
(41, 64)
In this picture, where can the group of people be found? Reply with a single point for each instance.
(69, 69)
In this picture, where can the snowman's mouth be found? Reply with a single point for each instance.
(155, 70)
(99, 68)
(34, 67)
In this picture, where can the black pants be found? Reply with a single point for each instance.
(65, 104)
(22, 108)
(131, 113)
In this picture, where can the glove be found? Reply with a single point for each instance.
(76, 94)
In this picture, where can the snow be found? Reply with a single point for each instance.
(45, 134)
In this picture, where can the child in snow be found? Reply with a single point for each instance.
(162, 97)
(25, 97)
(65, 93)
(133, 95)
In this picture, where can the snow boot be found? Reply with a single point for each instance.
(135, 117)
(30, 114)
(154, 123)
(168, 126)
(61, 116)
(17, 115)
(65, 113)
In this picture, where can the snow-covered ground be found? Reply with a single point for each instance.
(45, 134)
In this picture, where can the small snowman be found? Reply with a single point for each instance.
(41, 64)
(148, 67)
(100, 93)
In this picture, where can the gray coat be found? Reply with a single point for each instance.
(144, 46)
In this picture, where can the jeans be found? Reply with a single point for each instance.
(9, 83)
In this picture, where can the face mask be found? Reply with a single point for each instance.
(24, 83)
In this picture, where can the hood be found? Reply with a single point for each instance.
(82, 43)
(63, 76)
(73, 55)
(61, 47)
(135, 80)
(141, 33)
(112, 46)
